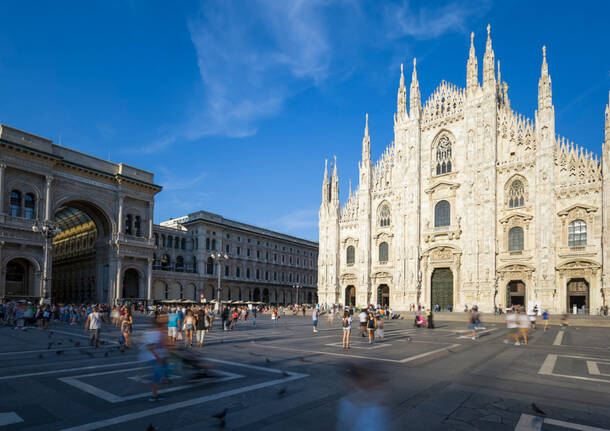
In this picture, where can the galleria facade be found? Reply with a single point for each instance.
(75, 228)
(472, 204)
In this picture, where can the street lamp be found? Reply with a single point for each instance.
(297, 286)
(48, 231)
(219, 257)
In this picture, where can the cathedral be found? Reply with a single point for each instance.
(472, 204)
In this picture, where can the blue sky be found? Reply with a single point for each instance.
(235, 104)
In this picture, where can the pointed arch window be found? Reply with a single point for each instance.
(443, 156)
(515, 239)
(577, 233)
(383, 252)
(442, 214)
(384, 216)
(350, 255)
(516, 194)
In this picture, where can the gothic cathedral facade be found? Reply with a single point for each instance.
(472, 204)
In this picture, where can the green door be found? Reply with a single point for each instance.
(442, 288)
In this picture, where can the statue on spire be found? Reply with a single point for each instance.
(545, 94)
(366, 141)
(401, 100)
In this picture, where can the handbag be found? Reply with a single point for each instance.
(179, 336)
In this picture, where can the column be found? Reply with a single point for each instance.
(149, 283)
(119, 279)
(2, 273)
(47, 197)
(121, 221)
(2, 168)
(151, 213)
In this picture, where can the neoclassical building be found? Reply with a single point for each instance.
(75, 228)
(473, 203)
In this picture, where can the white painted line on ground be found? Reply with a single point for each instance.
(534, 423)
(573, 426)
(112, 398)
(558, 338)
(182, 404)
(366, 347)
(67, 370)
(22, 352)
(548, 365)
(8, 418)
(593, 368)
(423, 355)
(529, 423)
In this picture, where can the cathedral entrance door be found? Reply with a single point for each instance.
(578, 295)
(383, 295)
(350, 295)
(442, 288)
(515, 294)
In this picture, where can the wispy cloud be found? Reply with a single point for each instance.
(252, 56)
(297, 221)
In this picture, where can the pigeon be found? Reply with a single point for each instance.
(70, 340)
(281, 393)
(286, 374)
(102, 342)
(537, 410)
(89, 354)
(222, 417)
(59, 352)
(105, 354)
(59, 343)
(151, 428)
(302, 359)
(267, 360)
(40, 356)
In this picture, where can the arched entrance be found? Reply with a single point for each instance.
(131, 284)
(19, 278)
(257, 295)
(441, 288)
(350, 296)
(578, 296)
(383, 295)
(266, 296)
(515, 293)
(81, 252)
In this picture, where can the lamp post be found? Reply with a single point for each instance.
(219, 257)
(48, 231)
(297, 286)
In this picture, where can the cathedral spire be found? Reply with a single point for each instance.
(335, 184)
(608, 120)
(545, 93)
(414, 95)
(489, 78)
(366, 141)
(472, 68)
(350, 189)
(325, 190)
(401, 100)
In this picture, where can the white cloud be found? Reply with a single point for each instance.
(297, 221)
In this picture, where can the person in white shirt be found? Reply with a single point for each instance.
(363, 318)
(347, 329)
(93, 325)
(314, 318)
(511, 324)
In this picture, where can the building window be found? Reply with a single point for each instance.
(30, 206)
(214, 244)
(267, 275)
(128, 221)
(207, 243)
(275, 257)
(350, 255)
(577, 233)
(237, 272)
(15, 203)
(442, 214)
(177, 243)
(266, 255)
(258, 254)
(138, 225)
(384, 216)
(163, 240)
(258, 274)
(210, 266)
(226, 270)
(238, 251)
(156, 239)
(443, 156)
(166, 291)
(248, 273)
(179, 263)
(228, 248)
(248, 252)
(283, 276)
(183, 243)
(283, 258)
(515, 239)
(165, 262)
(383, 252)
(516, 194)
(274, 276)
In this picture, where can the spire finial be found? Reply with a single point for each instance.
(488, 30)
(401, 68)
(471, 38)
(366, 125)
(544, 51)
(350, 188)
(414, 76)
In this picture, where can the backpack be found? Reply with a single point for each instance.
(345, 323)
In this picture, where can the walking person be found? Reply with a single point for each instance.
(314, 318)
(189, 327)
(173, 322)
(347, 329)
(201, 325)
(156, 354)
(363, 318)
(126, 328)
(93, 325)
(511, 324)
(545, 318)
(371, 325)
(472, 325)
(524, 325)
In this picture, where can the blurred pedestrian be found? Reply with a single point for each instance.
(347, 329)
